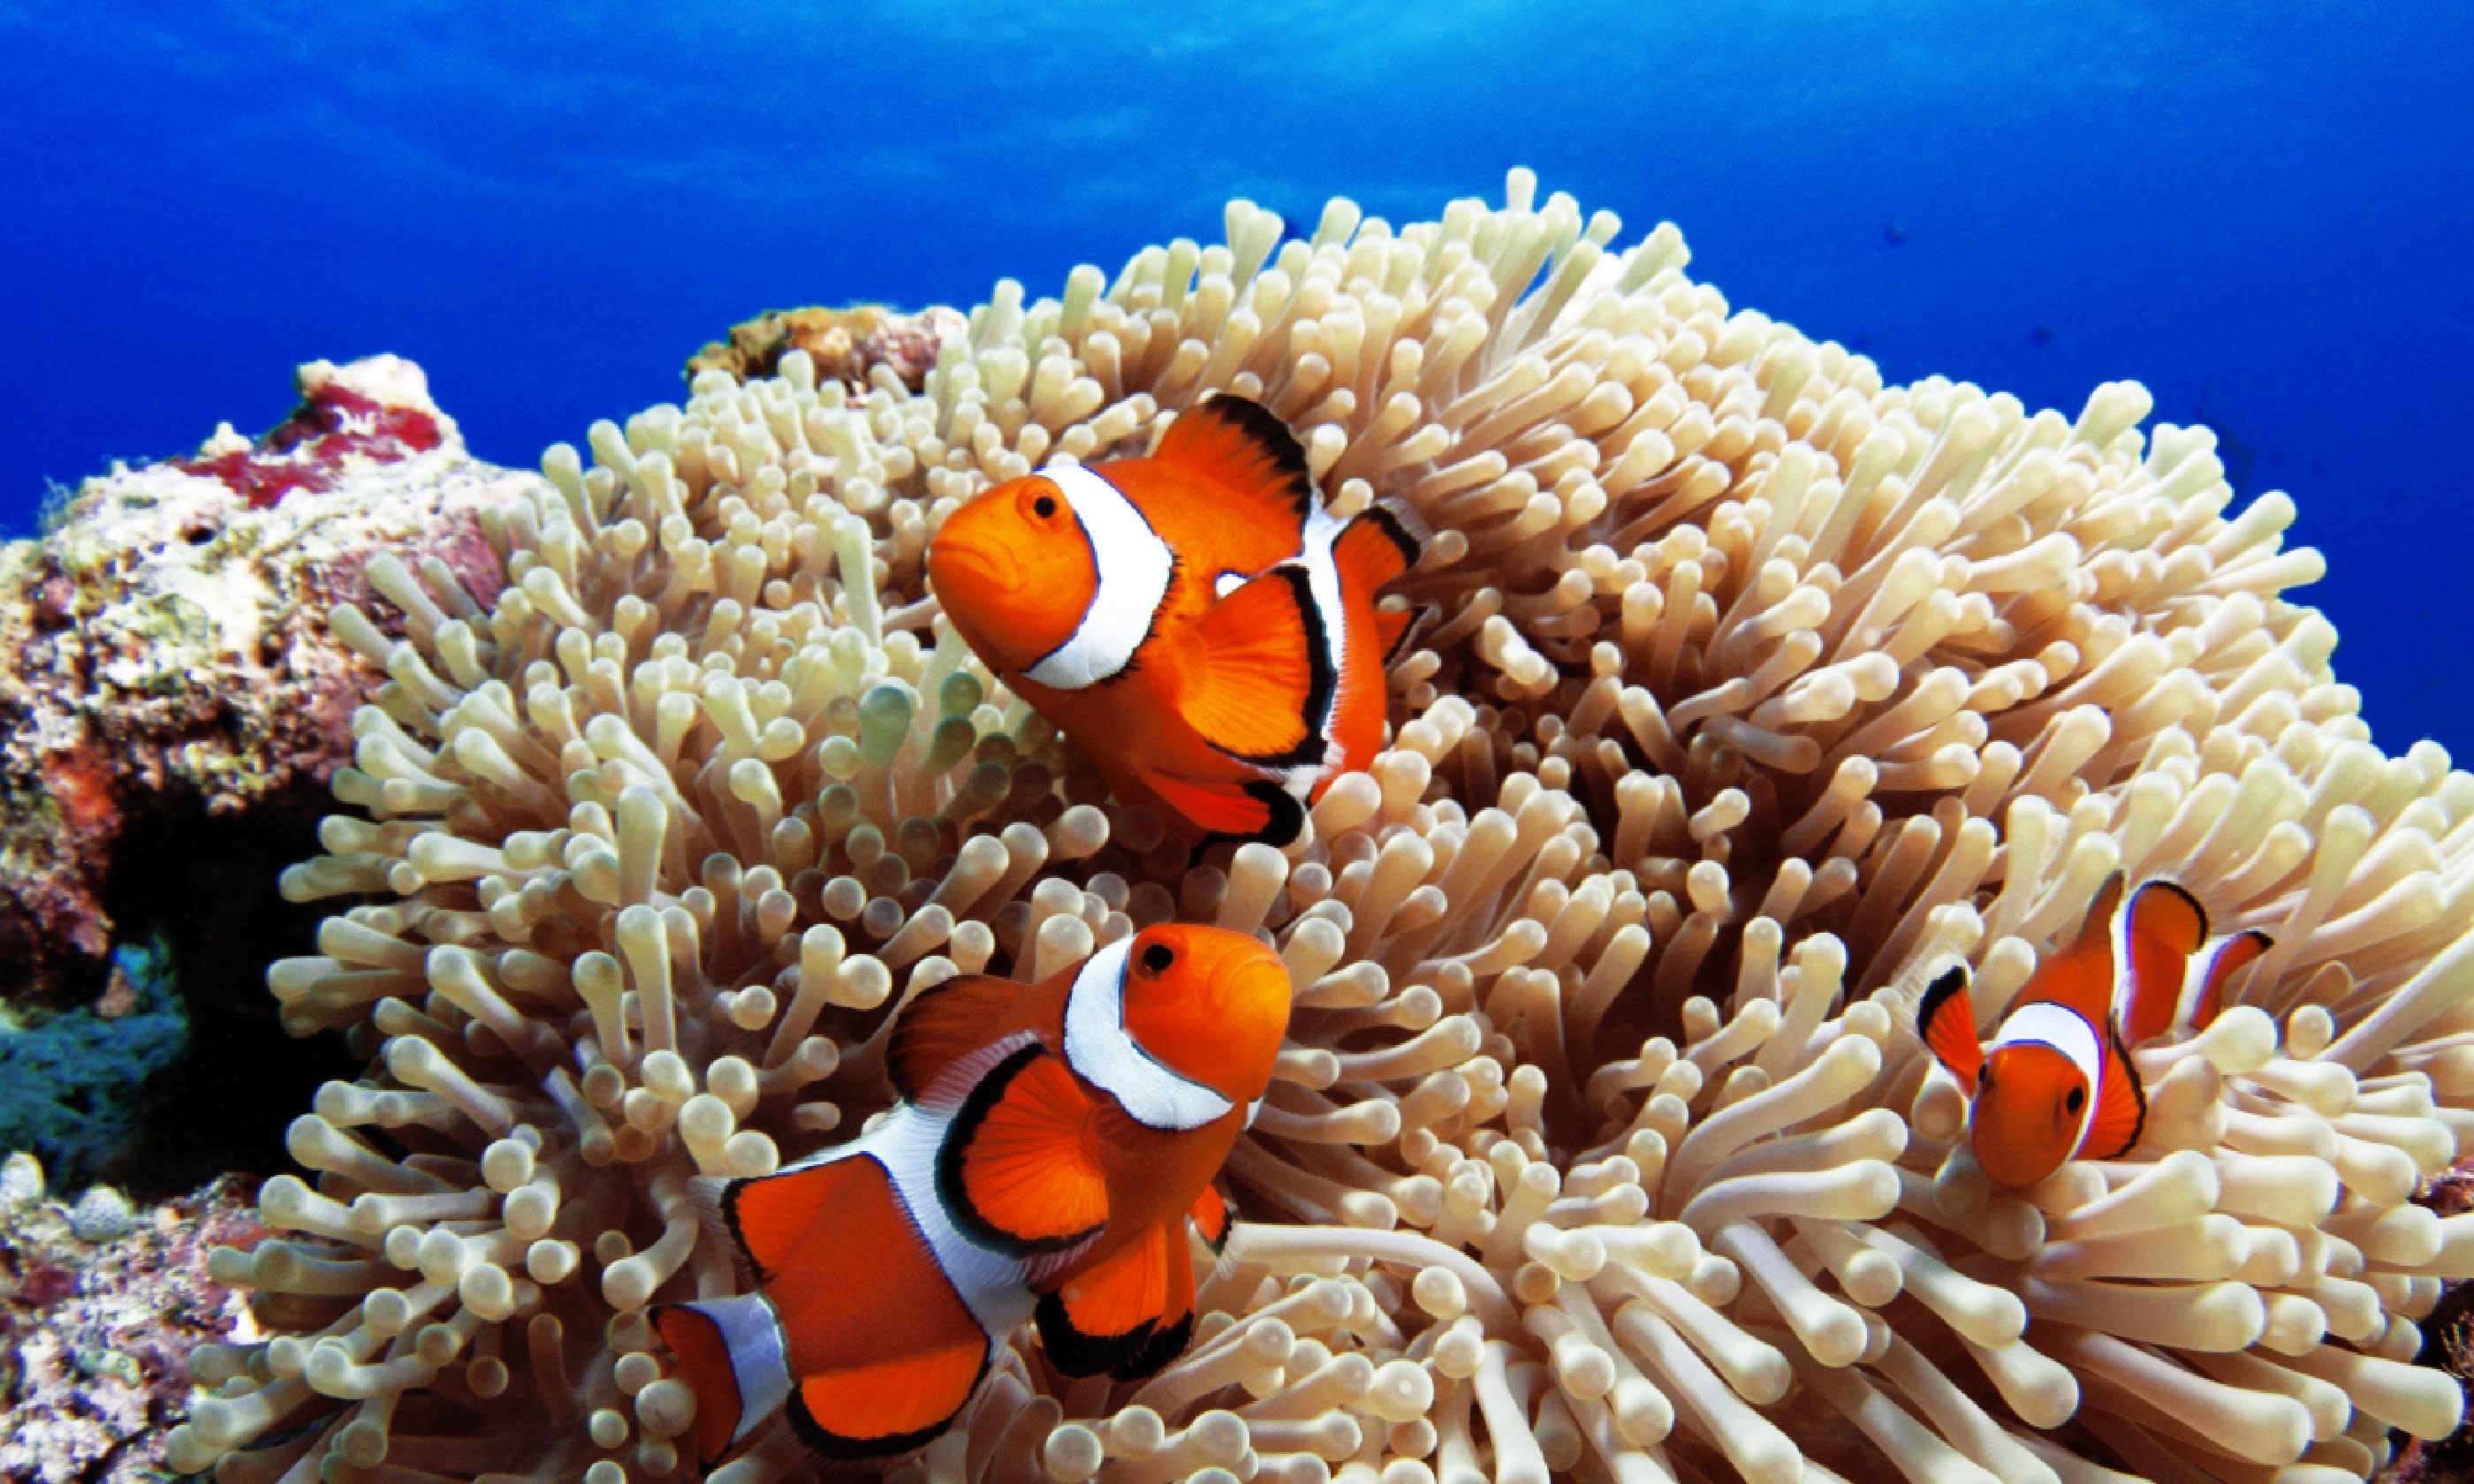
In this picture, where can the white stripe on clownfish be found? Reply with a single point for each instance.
(759, 1359)
(904, 1143)
(1133, 568)
(1097, 1046)
(1323, 584)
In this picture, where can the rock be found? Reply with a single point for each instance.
(95, 1342)
(843, 343)
(172, 704)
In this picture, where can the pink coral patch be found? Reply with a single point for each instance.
(305, 450)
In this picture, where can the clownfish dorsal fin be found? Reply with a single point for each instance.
(2096, 929)
(1015, 1171)
(2228, 958)
(2079, 975)
(769, 1216)
(941, 1027)
(1258, 679)
(2162, 926)
(1128, 1314)
(1393, 627)
(1247, 451)
(1374, 548)
(1946, 1019)
(1211, 1214)
(2121, 1105)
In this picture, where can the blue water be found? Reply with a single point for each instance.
(2264, 210)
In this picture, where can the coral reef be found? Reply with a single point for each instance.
(163, 644)
(1604, 1146)
(97, 1323)
(845, 345)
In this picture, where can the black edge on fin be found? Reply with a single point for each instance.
(1393, 520)
(1273, 436)
(1126, 1357)
(832, 1447)
(1288, 818)
(1947, 985)
(2138, 1094)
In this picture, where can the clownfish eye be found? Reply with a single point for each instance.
(1044, 507)
(1158, 958)
(2074, 1099)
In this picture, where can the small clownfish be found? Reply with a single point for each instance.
(1194, 621)
(2055, 1083)
(1051, 1148)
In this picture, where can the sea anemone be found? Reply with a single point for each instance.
(1604, 1146)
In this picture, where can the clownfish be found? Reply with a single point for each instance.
(1052, 1146)
(1194, 621)
(2055, 1083)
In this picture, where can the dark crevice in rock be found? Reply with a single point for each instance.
(204, 886)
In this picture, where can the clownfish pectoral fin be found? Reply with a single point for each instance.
(1128, 1315)
(2226, 957)
(2121, 1106)
(1946, 1019)
(941, 1027)
(1211, 1214)
(1015, 1170)
(890, 1408)
(1248, 453)
(1258, 677)
(2163, 927)
(1255, 809)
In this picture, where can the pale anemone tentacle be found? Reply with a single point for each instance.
(1756, 692)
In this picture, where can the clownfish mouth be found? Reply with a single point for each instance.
(954, 565)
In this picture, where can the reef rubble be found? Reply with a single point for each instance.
(100, 1307)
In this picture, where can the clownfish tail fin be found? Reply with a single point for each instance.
(1946, 1020)
(730, 1353)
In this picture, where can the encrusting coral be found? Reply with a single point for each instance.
(1604, 1147)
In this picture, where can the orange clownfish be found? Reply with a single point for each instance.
(1194, 621)
(2055, 1083)
(1049, 1149)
